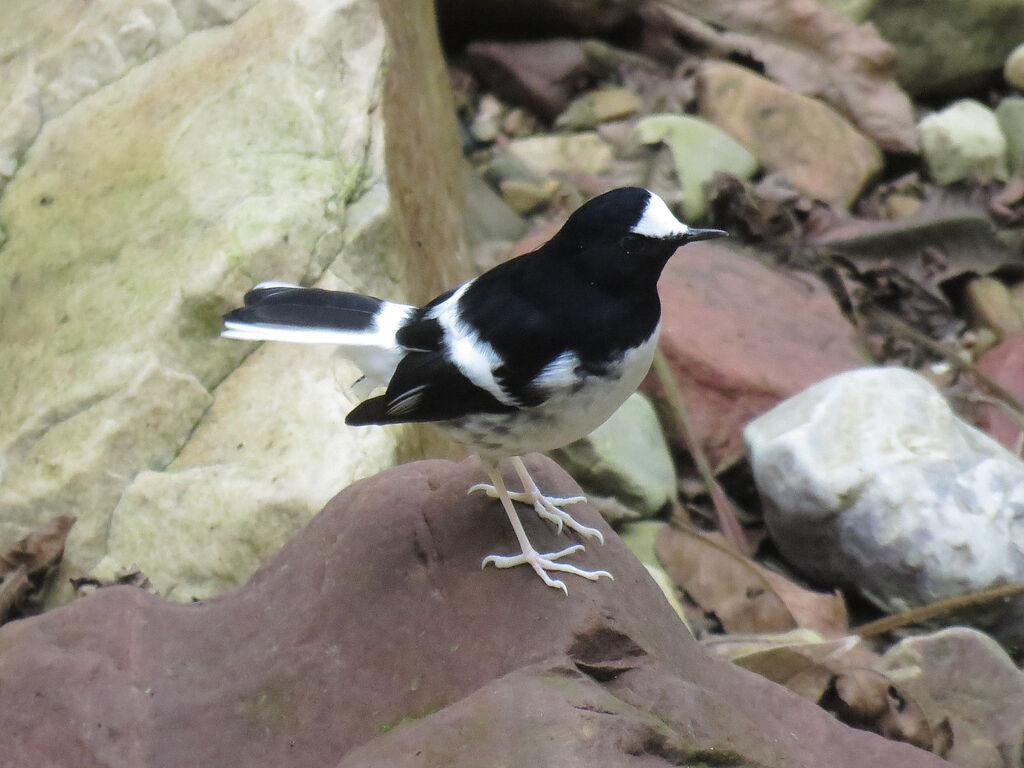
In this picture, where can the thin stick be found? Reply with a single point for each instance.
(917, 615)
(727, 521)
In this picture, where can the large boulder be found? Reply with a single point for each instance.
(159, 159)
(373, 638)
(871, 481)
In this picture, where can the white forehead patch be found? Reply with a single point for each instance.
(657, 220)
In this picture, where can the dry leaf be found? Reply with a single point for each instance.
(23, 567)
(743, 595)
(812, 50)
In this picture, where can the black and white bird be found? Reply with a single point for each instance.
(529, 356)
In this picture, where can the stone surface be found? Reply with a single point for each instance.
(1013, 69)
(541, 76)
(948, 46)
(819, 151)
(627, 458)
(374, 639)
(813, 50)
(587, 111)
(584, 152)
(988, 304)
(963, 141)
(871, 481)
(1010, 114)
(740, 337)
(971, 693)
(150, 197)
(1005, 364)
(699, 151)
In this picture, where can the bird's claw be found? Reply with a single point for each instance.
(542, 563)
(547, 507)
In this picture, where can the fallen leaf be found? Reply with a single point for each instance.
(744, 596)
(810, 49)
(24, 566)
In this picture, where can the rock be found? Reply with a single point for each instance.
(808, 48)
(589, 110)
(870, 481)
(970, 690)
(373, 638)
(1005, 364)
(527, 196)
(699, 151)
(823, 155)
(963, 141)
(562, 153)
(148, 201)
(1010, 114)
(740, 337)
(465, 20)
(948, 46)
(541, 76)
(1013, 69)
(989, 305)
(489, 218)
(639, 536)
(627, 458)
(487, 119)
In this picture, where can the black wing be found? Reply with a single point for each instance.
(426, 387)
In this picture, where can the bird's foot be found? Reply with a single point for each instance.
(542, 563)
(547, 507)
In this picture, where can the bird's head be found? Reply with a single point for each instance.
(629, 230)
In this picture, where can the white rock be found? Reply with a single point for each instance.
(870, 480)
(164, 157)
(964, 141)
(1013, 70)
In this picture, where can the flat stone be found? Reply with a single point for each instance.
(963, 141)
(527, 196)
(562, 153)
(541, 76)
(870, 481)
(1010, 114)
(740, 337)
(699, 151)
(373, 638)
(587, 111)
(820, 152)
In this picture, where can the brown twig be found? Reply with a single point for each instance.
(924, 612)
(727, 521)
(909, 332)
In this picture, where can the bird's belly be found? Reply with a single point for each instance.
(564, 417)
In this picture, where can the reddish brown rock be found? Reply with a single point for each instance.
(374, 639)
(541, 76)
(1005, 364)
(820, 152)
(741, 337)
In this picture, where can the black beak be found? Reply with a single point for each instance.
(692, 235)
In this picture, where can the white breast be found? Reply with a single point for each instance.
(574, 409)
